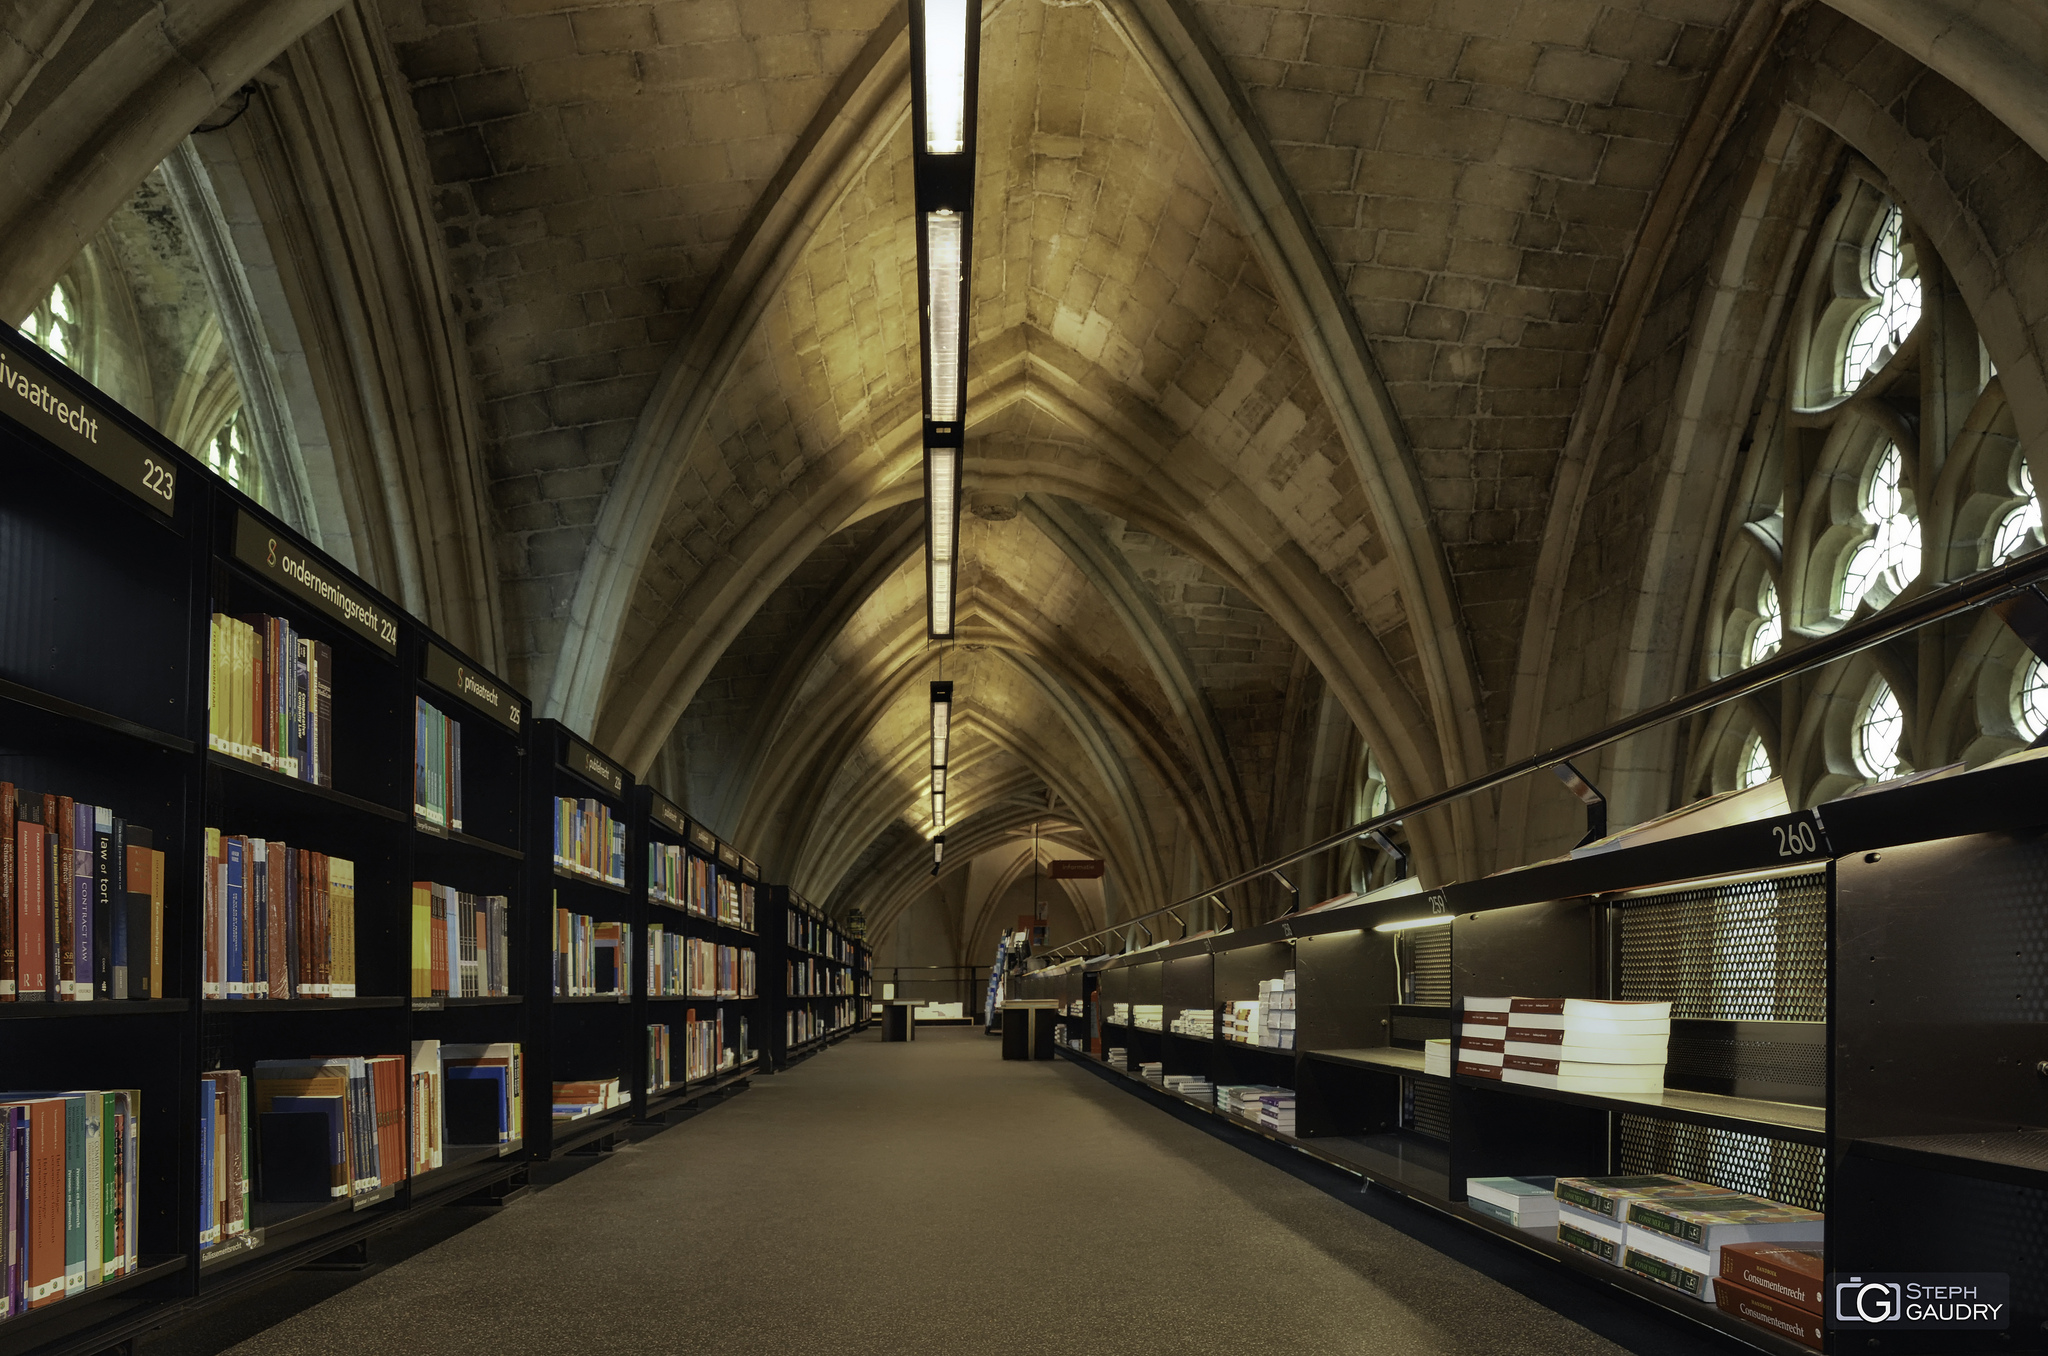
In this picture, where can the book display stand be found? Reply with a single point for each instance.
(1885, 1082)
(313, 857)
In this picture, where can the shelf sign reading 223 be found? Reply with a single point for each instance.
(48, 406)
(291, 567)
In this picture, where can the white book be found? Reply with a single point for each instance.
(1487, 1004)
(1646, 1085)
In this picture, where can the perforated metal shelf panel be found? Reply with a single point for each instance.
(1777, 1169)
(1743, 951)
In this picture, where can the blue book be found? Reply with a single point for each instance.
(209, 1227)
(238, 864)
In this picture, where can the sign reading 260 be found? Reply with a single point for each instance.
(1800, 835)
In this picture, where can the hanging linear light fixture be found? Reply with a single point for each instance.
(945, 42)
(938, 853)
(942, 731)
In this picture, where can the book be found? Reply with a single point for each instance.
(1593, 1235)
(1609, 1197)
(1524, 1202)
(1708, 1220)
(1788, 1273)
(1769, 1312)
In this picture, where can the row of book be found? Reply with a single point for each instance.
(591, 958)
(1198, 1023)
(589, 842)
(587, 1097)
(1757, 1258)
(436, 767)
(461, 943)
(81, 902)
(270, 697)
(682, 880)
(1143, 1016)
(693, 967)
(809, 1023)
(69, 1194)
(1267, 1020)
(1571, 1044)
(808, 934)
(280, 921)
(715, 1043)
(812, 977)
(660, 1065)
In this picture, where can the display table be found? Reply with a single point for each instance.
(1027, 1027)
(898, 1023)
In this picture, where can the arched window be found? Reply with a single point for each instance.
(1894, 309)
(2020, 524)
(54, 325)
(1770, 627)
(1880, 727)
(2030, 699)
(1891, 553)
(1756, 763)
(228, 454)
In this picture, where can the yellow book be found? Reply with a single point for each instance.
(422, 936)
(341, 895)
(215, 717)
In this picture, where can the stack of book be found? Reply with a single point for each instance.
(460, 943)
(588, 841)
(1276, 1004)
(1153, 1071)
(590, 957)
(1148, 1016)
(1242, 1099)
(324, 1129)
(280, 922)
(81, 902)
(1676, 1241)
(1276, 1112)
(1570, 1044)
(1245, 1023)
(270, 697)
(1592, 1212)
(60, 1242)
(1776, 1286)
(1118, 1058)
(1199, 1023)
(587, 1097)
(436, 768)
(1196, 1086)
(1436, 1057)
(1521, 1202)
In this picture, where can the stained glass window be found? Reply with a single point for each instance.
(2030, 700)
(1893, 547)
(2014, 528)
(1770, 630)
(1895, 310)
(1879, 730)
(1756, 763)
(54, 325)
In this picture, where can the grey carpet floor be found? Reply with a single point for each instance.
(929, 1198)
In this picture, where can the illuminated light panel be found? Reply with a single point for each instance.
(1403, 924)
(945, 76)
(938, 809)
(944, 233)
(942, 718)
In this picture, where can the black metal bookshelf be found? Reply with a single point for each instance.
(816, 976)
(1901, 1099)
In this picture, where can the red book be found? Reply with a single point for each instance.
(1482, 1043)
(60, 898)
(1537, 1035)
(1772, 1315)
(43, 1249)
(1494, 1019)
(8, 960)
(1529, 1065)
(32, 955)
(437, 942)
(1782, 1272)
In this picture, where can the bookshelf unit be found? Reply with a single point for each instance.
(720, 909)
(814, 968)
(1928, 1157)
(581, 1013)
(119, 554)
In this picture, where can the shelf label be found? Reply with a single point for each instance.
(586, 761)
(294, 569)
(1796, 837)
(728, 856)
(474, 686)
(751, 872)
(62, 417)
(671, 818)
(704, 839)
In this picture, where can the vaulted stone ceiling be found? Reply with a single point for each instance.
(1281, 314)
